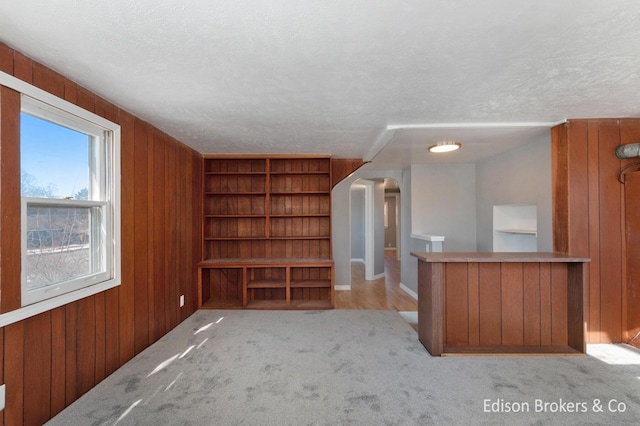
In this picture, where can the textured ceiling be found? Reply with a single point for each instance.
(348, 78)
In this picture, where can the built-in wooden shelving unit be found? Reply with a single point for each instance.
(266, 233)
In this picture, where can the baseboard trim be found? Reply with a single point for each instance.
(376, 277)
(343, 287)
(409, 291)
(358, 260)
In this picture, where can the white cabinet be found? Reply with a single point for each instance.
(515, 228)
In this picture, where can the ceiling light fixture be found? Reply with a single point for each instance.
(444, 146)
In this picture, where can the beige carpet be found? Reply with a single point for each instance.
(349, 367)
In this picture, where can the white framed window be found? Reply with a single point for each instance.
(70, 210)
(68, 207)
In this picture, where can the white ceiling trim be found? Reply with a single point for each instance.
(386, 136)
(452, 126)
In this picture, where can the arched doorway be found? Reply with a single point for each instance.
(374, 210)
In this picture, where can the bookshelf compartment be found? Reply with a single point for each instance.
(235, 184)
(300, 227)
(306, 275)
(268, 248)
(229, 249)
(236, 205)
(311, 287)
(235, 165)
(300, 165)
(300, 183)
(222, 287)
(229, 227)
(282, 204)
(267, 287)
(267, 277)
(310, 298)
(286, 248)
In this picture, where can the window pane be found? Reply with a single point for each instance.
(54, 160)
(59, 244)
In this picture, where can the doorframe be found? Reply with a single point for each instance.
(396, 195)
(369, 230)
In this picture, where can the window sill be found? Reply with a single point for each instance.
(55, 302)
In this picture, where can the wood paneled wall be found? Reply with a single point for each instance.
(589, 218)
(51, 359)
(632, 222)
(343, 167)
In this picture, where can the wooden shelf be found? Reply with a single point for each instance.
(274, 193)
(267, 284)
(227, 304)
(235, 216)
(234, 194)
(235, 173)
(311, 284)
(266, 262)
(235, 238)
(295, 304)
(257, 211)
(311, 304)
(300, 173)
(293, 215)
(267, 304)
(319, 237)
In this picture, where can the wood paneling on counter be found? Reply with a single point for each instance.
(495, 311)
(51, 359)
(517, 302)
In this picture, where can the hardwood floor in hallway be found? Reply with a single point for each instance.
(383, 294)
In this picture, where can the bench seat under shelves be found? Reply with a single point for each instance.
(266, 283)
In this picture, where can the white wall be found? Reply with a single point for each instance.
(443, 202)
(408, 263)
(357, 223)
(340, 231)
(453, 200)
(341, 223)
(378, 224)
(519, 176)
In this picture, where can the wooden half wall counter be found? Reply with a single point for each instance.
(501, 303)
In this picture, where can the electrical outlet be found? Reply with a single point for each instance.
(2, 395)
(181, 300)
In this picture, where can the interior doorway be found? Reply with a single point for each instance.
(392, 216)
(375, 245)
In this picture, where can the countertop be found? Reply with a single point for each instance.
(496, 257)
